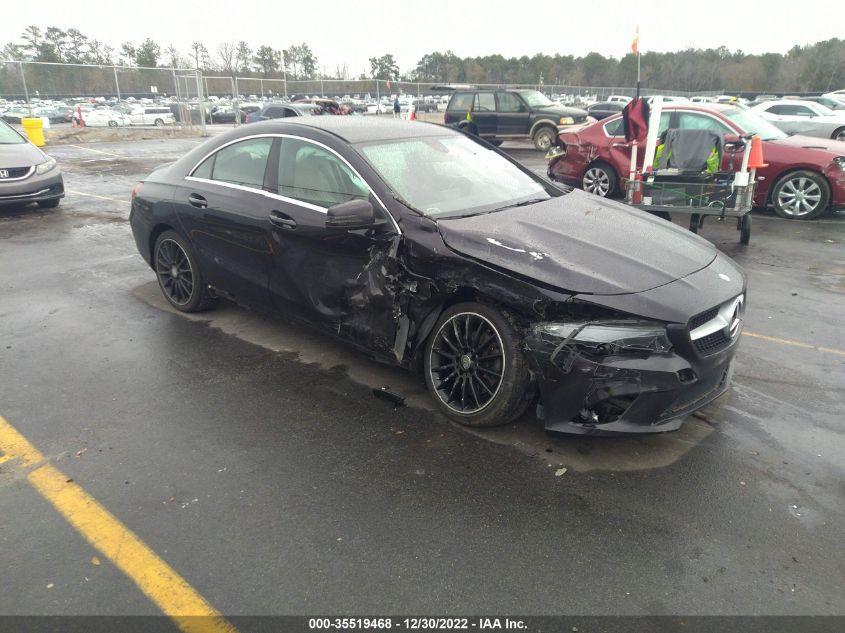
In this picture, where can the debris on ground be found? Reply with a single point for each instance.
(95, 561)
(560, 471)
(390, 396)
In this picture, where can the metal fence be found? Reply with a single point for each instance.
(188, 90)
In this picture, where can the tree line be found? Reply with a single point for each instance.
(808, 68)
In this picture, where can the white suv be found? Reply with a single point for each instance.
(152, 115)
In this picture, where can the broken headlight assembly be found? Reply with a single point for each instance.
(840, 162)
(610, 338)
(555, 151)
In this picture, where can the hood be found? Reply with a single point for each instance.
(827, 145)
(560, 110)
(582, 244)
(20, 155)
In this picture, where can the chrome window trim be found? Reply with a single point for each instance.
(24, 177)
(277, 196)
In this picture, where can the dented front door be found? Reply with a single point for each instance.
(323, 274)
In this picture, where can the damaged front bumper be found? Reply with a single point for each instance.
(588, 394)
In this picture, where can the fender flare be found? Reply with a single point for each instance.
(543, 123)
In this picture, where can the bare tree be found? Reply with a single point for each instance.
(227, 54)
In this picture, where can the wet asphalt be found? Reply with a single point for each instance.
(250, 454)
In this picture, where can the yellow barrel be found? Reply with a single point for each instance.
(34, 129)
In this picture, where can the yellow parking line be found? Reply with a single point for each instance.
(154, 577)
(786, 341)
(94, 195)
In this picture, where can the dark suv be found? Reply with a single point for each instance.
(499, 115)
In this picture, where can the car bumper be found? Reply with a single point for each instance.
(619, 395)
(33, 189)
(836, 178)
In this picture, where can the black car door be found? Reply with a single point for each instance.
(320, 272)
(224, 207)
(484, 113)
(512, 115)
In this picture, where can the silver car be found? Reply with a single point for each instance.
(804, 117)
(26, 173)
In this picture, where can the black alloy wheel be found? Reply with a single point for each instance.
(175, 274)
(467, 363)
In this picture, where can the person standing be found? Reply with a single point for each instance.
(396, 108)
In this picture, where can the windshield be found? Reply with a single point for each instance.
(752, 123)
(8, 135)
(535, 98)
(451, 175)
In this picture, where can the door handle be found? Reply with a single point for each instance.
(619, 144)
(196, 200)
(282, 220)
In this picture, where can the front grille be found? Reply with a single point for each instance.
(712, 342)
(704, 317)
(15, 172)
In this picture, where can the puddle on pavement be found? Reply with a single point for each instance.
(527, 434)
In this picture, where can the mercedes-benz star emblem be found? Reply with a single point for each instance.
(736, 318)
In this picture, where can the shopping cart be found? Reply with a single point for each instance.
(722, 195)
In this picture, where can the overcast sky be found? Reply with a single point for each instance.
(354, 30)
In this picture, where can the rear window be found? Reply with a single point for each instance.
(461, 101)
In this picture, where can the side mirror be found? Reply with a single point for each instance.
(733, 142)
(350, 216)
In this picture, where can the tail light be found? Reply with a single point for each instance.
(136, 190)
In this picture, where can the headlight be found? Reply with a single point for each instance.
(46, 166)
(609, 338)
(566, 120)
(840, 162)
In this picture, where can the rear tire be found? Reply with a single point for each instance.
(600, 179)
(745, 229)
(474, 367)
(801, 195)
(180, 279)
(544, 138)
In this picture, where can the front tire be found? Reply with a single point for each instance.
(839, 134)
(179, 277)
(599, 179)
(544, 138)
(801, 195)
(159, 122)
(474, 367)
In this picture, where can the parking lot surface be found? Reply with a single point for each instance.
(250, 456)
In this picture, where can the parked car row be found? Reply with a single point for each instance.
(804, 177)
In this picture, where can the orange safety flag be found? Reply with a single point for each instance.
(635, 44)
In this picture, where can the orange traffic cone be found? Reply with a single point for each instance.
(755, 158)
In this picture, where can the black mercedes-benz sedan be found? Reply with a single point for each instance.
(433, 250)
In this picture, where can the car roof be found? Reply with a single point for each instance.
(360, 129)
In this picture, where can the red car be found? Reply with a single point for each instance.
(804, 178)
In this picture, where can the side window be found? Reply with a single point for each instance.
(484, 102)
(288, 112)
(803, 111)
(617, 126)
(461, 101)
(273, 113)
(509, 102)
(243, 163)
(693, 121)
(315, 175)
(204, 170)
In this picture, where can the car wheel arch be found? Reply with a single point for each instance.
(608, 166)
(157, 230)
(774, 180)
(540, 123)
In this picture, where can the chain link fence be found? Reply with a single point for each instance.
(196, 99)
